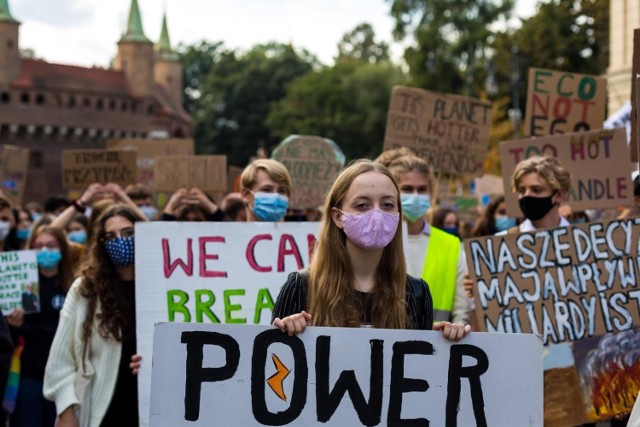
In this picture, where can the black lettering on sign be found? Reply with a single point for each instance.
(456, 373)
(327, 401)
(197, 374)
(258, 378)
(401, 385)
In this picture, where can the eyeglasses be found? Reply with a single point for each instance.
(126, 232)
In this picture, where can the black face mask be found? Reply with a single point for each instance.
(534, 208)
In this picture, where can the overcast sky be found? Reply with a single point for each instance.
(85, 32)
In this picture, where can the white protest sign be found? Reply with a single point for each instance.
(211, 273)
(233, 375)
(19, 281)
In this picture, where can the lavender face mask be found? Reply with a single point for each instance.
(373, 229)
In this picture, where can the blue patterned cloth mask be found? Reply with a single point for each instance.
(121, 251)
(270, 206)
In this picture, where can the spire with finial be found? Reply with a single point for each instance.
(163, 47)
(5, 14)
(134, 31)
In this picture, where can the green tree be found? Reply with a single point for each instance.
(450, 37)
(360, 45)
(197, 61)
(347, 103)
(235, 92)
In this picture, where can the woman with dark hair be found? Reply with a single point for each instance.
(494, 219)
(447, 220)
(35, 324)
(358, 275)
(99, 312)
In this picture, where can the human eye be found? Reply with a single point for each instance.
(109, 236)
(406, 189)
(128, 232)
(388, 206)
(423, 190)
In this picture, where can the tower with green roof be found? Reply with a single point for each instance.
(168, 69)
(9, 46)
(135, 54)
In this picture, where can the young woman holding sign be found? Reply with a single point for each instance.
(358, 275)
(99, 317)
(34, 325)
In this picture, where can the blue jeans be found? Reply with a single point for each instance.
(32, 410)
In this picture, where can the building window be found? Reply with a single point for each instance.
(112, 104)
(25, 98)
(151, 110)
(71, 102)
(87, 102)
(5, 97)
(123, 106)
(134, 106)
(10, 44)
(99, 104)
(40, 99)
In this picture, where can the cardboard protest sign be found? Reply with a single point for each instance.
(574, 285)
(635, 70)
(14, 167)
(148, 149)
(256, 375)
(604, 151)
(313, 163)
(211, 273)
(562, 102)
(208, 173)
(19, 282)
(81, 168)
(451, 132)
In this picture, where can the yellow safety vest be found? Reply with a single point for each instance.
(440, 271)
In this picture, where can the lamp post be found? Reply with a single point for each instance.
(515, 114)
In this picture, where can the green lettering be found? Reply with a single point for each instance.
(176, 300)
(204, 306)
(228, 307)
(264, 301)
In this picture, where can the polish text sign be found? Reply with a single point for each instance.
(564, 284)
(211, 273)
(81, 168)
(562, 102)
(583, 154)
(451, 132)
(256, 375)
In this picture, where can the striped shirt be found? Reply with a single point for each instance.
(293, 299)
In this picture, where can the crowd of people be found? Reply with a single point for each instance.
(361, 273)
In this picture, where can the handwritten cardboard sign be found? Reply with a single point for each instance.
(81, 168)
(19, 282)
(148, 149)
(451, 132)
(562, 102)
(208, 173)
(211, 273)
(573, 285)
(313, 163)
(14, 168)
(635, 70)
(256, 375)
(598, 162)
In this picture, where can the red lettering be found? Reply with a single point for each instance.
(558, 111)
(517, 154)
(204, 256)
(250, 254)
(621, 187)
(291, 250)
(538, 101)
(311, 241)
(169, 266)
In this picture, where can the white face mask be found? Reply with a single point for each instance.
(5, 227)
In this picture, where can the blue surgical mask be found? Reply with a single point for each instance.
(22, 234)
(48, 259)
(414, 205)
(36, 216)
(121, 251)
(504, 223)
(78, 236)
(149, 211)
(270, 206)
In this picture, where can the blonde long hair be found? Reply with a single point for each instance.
(333, 300)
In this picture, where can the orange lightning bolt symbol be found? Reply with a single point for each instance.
(276, 380)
